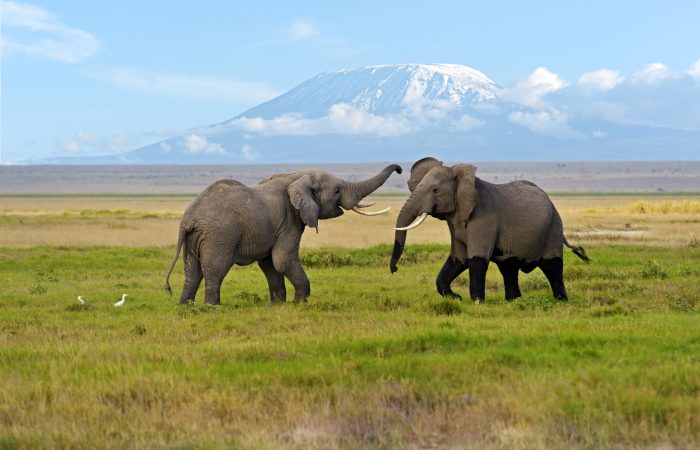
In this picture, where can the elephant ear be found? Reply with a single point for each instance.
(467, 195)
(419, 169)
(301, 194)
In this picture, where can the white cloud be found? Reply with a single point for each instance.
(82, 143)
(165, 147)
(651, 74)
(188, 86)
(51, 38)
(302, 29)
(467, 122)
(532, 90)
(694, 70)
(552, 123)
(602, 80)
(196, 143)
(599, 134)
(248, 153)
(342, 118)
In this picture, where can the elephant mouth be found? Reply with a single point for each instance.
(337, 212)
(438, 214)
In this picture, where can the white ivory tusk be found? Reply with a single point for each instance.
(415, 223)
(364, 205)
(371, 213)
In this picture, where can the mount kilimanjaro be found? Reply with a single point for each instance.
(404, 112)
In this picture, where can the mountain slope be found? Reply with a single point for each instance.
(380, 90)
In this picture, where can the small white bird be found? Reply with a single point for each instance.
(121, 302)
(80, 300)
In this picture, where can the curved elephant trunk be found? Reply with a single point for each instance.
(409, 211)
(356, 191)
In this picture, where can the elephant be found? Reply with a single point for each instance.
(515, 225)
(233, 224)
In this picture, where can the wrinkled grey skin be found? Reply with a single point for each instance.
(230, 223)
(514, 225)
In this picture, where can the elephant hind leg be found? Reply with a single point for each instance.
(554, 271)
(509, 269)
(193, 278)
(275, 280)
(215, 266)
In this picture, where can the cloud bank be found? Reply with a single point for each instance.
(542, 102)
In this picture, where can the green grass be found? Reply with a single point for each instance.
(373, 360)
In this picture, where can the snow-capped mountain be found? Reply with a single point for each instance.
(381, 90)
(407, 111)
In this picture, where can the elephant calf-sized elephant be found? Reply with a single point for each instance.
(230, 223)
(514, 225)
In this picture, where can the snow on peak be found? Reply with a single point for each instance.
(382, 89)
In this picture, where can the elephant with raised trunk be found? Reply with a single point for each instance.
(515, 225)
(230, 223)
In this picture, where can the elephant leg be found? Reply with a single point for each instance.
(450, 270)
(296, 275)
(554, 271)
(509, 269)
(193, 277)
(275, 280)
(477, 278)
(215, 266)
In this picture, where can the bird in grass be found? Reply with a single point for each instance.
(80, 300)
(121, 302)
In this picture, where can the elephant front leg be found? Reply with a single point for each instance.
(509, 269)
(450, 270)
(275, 281)
(296, 275)
(285, 259)
(477, 278)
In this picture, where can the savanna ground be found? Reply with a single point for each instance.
(373, 360)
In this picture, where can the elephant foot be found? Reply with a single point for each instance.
(561, 296)
(449, 293)
(453, 295)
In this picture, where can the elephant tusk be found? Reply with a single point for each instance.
(371, 213)
(415, 223)
(364, 205)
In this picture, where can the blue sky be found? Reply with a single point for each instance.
(106, 77)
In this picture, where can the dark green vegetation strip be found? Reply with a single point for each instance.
(373, 360)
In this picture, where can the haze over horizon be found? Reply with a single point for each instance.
(555, 82)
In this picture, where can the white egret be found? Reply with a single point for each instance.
(80, 300)
(121, 302)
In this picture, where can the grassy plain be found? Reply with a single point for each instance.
(373, 360)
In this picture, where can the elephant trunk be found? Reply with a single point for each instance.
(358, 190)
(409, 212)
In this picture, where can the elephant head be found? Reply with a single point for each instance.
(320, 195)
(444, 192)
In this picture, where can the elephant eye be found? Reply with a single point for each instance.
(435, 190)
(337, 190)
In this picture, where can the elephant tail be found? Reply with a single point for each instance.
(578, 251)
(180, 240)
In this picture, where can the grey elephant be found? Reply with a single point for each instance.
(230, 223)
(515, 225)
